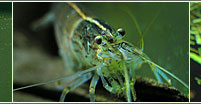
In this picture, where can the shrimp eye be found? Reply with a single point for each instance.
(121, 31)
(98, 40)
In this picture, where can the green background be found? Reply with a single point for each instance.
(5, 52)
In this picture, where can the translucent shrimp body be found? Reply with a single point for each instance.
(94, 50)
(93, 42)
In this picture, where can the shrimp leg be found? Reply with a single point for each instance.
(105, 84)
(163, 71)
(157, 72)
(113, 90)
(74, 85)
(132, 82)
(127, 79)
(92, 87)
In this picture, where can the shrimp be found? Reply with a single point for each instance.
(94, 50)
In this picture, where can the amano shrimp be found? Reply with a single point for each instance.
(96, 51)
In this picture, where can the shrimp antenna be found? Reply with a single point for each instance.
(167, 72)
(68, 78)
(137, 26)
(147, 27)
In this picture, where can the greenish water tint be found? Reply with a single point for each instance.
(5, 52)
(166, 42)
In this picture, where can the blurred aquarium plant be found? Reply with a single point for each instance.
(198, 80)
(5, 52)
(195, 34)
(195, 50)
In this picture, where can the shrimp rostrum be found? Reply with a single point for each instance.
(94, 50)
